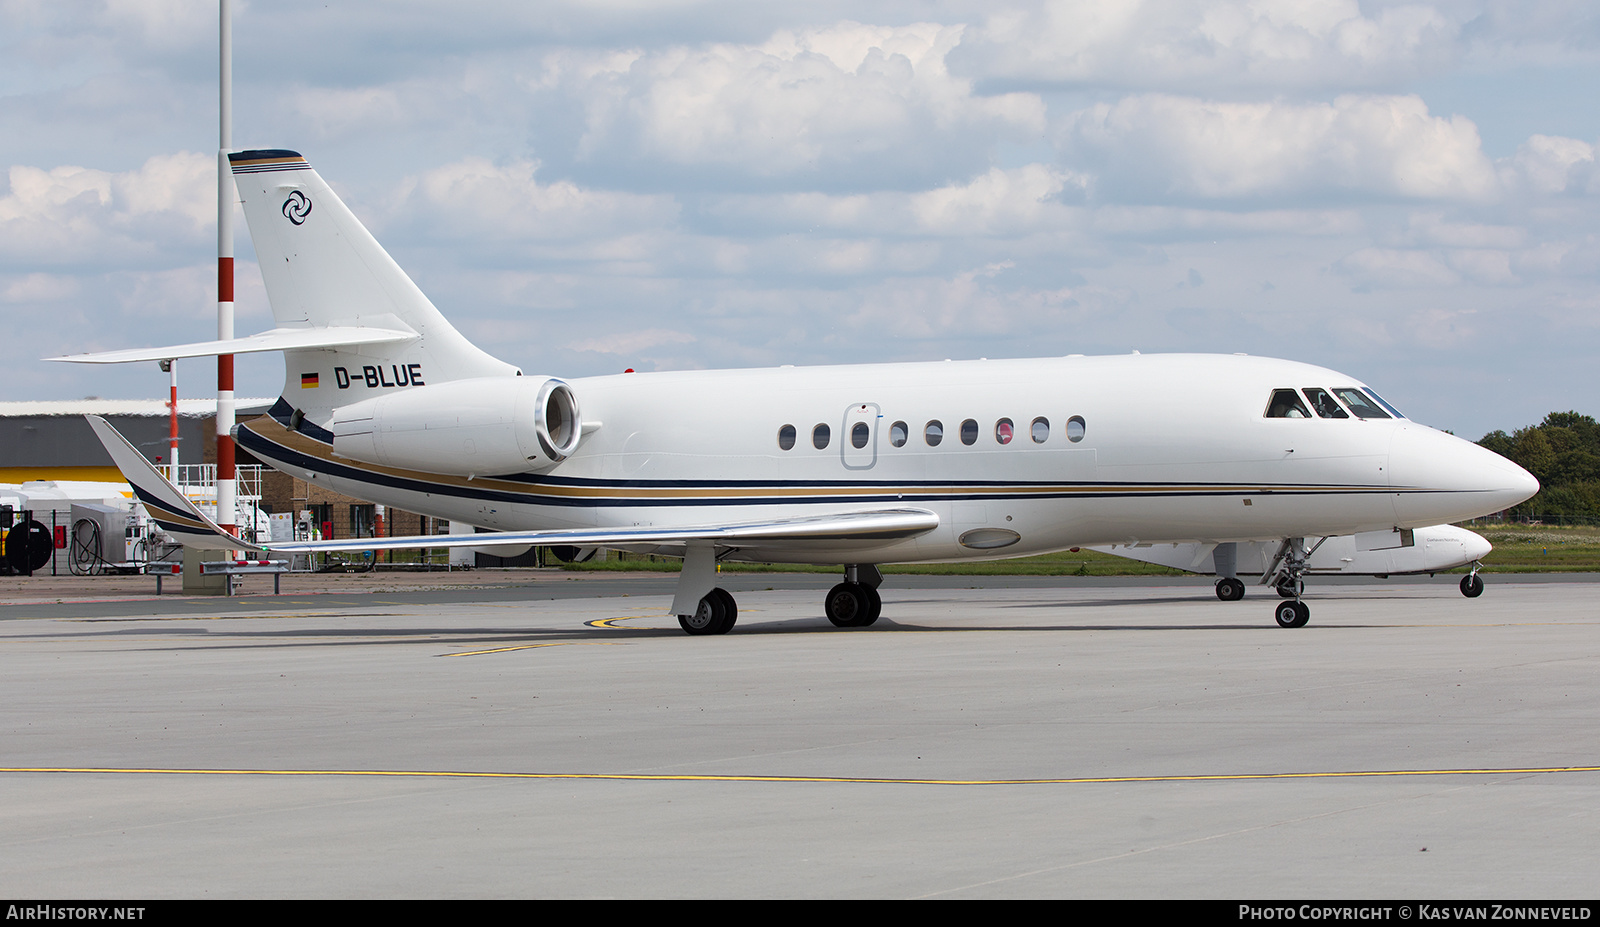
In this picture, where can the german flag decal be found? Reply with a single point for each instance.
(308, 381)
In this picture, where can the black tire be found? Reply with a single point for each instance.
(1472, 585)
(874, 606)
(708, 618)
(1290, 591)
(730, 610)
(847, 605)
(1292, 614)
(1230, 589)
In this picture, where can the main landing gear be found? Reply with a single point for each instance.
(1230, 589)
(701, 607)
(855, 603)
(715, 615)
(704, 608)
(1225, 560)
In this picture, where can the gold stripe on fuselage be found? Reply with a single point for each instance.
(276, 433)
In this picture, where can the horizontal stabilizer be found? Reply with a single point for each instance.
(277, 339)
(883, 524)
(167, 506)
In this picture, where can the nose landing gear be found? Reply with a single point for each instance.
(1292, 614)
(1287, 573)
(1472, 583)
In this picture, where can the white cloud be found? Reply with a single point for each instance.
(804, 101)
(1547, 164)
(71, 214)
(1157, 146)
(475, 197)
(334, 111)
(1173, 43)
(38, 288)
(999, 201)
(166, 23)
(632, 342)
(975, 302)
(1435, 228)
(1395, 268)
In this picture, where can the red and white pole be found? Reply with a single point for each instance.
(227, 485)
(172, 417)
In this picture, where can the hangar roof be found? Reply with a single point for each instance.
(195, 408)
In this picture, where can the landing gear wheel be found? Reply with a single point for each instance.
(1292, 614)
(1230, 589)
(874, 605)
(730, 609)
(1472, 585)
(1291, 590)
(715, 615)
(848, 605)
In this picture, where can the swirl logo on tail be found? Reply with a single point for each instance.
(297, 207)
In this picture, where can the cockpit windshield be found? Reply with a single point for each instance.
(1323, 403)
(1359, 403)
(1379, 400)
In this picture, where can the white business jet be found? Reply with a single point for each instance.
(859, 465)
(1374, 553)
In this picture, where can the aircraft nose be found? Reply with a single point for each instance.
(1475, 546)
(1439, 478)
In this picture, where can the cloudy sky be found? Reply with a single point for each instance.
(1405, 192)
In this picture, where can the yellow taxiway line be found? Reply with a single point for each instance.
(860, 780)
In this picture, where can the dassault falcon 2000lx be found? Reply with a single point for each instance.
(857, 465)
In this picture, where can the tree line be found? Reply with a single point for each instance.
(1563, 451)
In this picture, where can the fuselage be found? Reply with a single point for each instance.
(1014, 456)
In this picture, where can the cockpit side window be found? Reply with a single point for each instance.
(1359, 403)
(1324, 403)
(1286, 403)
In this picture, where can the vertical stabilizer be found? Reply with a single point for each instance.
(323, 268)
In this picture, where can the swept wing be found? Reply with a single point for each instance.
(179, 517)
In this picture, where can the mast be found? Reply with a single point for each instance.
(227, 486)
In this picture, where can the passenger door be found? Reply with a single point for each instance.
(858, 443)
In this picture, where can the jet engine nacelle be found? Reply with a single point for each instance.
(477, 427)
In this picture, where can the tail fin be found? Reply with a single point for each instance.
(323, 268)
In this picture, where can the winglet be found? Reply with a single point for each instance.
(167, 506)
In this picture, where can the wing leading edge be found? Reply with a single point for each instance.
(179, 517)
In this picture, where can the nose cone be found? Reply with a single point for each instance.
(1475, 546)
(1439, 478)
